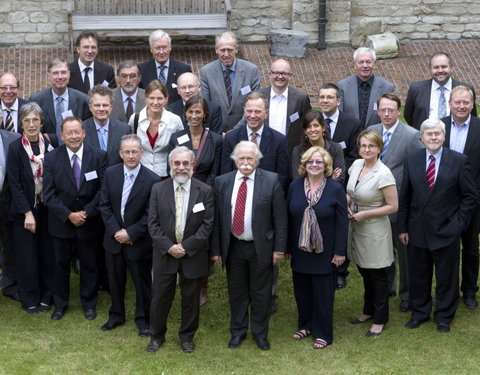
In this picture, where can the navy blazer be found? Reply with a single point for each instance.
(136, 211)
(215, 113)
(273, 146)
(331, 213)
(346, 133)
(101, 72)
(62, 196)
(149, 73)
(208, 165)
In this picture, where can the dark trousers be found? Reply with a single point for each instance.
(86, 251)
(375, 283)
(421, 262)
(7, 257)
(163, 293)
(249, 283)
(314, 295)
(470, 256)
(401, 262)
(117, 265)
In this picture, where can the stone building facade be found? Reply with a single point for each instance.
(44, 22)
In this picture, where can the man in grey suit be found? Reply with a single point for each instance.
(399, 140)
(429, 98)
(128, 98)
(360, 92)
(102, 131)
(249, 237)
(228, 80)
(58, 101)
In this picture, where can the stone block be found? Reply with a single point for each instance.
(385, 45)
(24, 27)
(5, 6)
(12, 39)
(46, 28)
(18, 17)
(288, 43)
(39, 17)
(363, 29)
(5, 28)
(33, 38)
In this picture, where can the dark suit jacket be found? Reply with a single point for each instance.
(347, 130)
(417, 104)
(215, 124)
(136, 211)
(208, 165)
(331, 213)
(63, 198)
(273, 146)
(21, 102)
(269, 216)
(101, 72)
(116, 130)
(77, 103)
(435, 218)
(118, 110)
(6, 137)
(198, 227)
(175, 68)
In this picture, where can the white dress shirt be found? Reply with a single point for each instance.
(435, 97)
(277, 115)
(247, 234)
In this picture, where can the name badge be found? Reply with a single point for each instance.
(91, 175)
(294, 117)
(174, 85)
(50, 148)
(198, 207)
(246, 90)
(375, 107)
(66, 114)
(181, 140)
(105, 83)
(343, 145)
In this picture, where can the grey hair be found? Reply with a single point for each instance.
(226, 34)
(180, 149)
(159, 34)
(27, 108)
(431, 123)
(360, 50)
(127, 64)
(258, 153)
(130, 138)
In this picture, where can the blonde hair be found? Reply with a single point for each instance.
(307, 155)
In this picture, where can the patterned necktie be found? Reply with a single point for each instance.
(253, 138)
(9, 121)
(238, 226)
(228, 84)
(76, 170)
(86, 80)
(431, 172)
(442, 103)
(328, 121)
(161, 74)
(386, 140)
(127, 188)
(103, 138)
(59, 109)
(178, 213)
(129, 111)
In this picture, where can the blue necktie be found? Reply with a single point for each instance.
(103, 139)
(386, 141)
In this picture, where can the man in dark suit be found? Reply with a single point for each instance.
(72, 178)
(272, 144)
(437, 199)
(359, 93)
(59, 101)
(228, 80)
(249, 238)
(11, 103)
(463, 135)
(162, 67)
(87, 72)
(102, 131)
(124, 208)
(128, 98)
(429, 98)
(399, 140)
(8, 279)
(180, 220)
(188, 86)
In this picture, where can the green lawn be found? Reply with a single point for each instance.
(38, 345)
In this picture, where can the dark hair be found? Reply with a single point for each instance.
(70, 119)
(197, 99)
(390, 96)
(306, 120)
(441, 53)
(329, 85)
(127, 64)
(85, 35)
(100, 90)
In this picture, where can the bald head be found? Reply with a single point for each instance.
(188, 85)
(280, 75)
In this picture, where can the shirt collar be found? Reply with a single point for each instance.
(186, 186)
(14, 106)
(465, 124)
(283, 94)
(232, 68)
(125, 96)
(97, 126)
(370, 80)
(79, 153)
(447, 85)
(391, 130)
(259, 131)
(239, 175)
(166, 64)
(82, 66)
(64, 95)
(334, 117)
(438, 155)
(133, 171)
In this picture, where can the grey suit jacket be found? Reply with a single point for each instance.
(349, 97)
(118, 111)
(116, 130)
(213, 88)
(77, 103)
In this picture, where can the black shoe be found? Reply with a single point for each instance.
(108, 326)
(57, 315)
(90, 314)
(263, 344)
(15, 296)
(470, 302)
(236, 341)
(373, 335)
(358, 321)
(32, 310)
(443, 327)
(341, 282)
(143, 332)
(404, 306)
(43, 307)
(412, 323)
(154, 345)
(187, 346)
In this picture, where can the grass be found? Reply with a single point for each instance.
(37, 345)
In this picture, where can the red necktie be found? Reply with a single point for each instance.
(238, 226)
(431, 172)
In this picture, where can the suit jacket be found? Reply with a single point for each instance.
(77, 103)
(62, 196)
(213, 88)
(116, 130)
(269, 216)
(118, 110)
(417, 104)
(215, 113)
(346, 133)
(198, 227)
(136, 211)
(21, 102)
(273, 146)
(435, 218)
(175, 68)
(208, 164)
(101, 72)
(349, 97)
(6, 137)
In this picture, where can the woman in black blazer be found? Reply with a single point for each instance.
(28, 214)
(317, 243)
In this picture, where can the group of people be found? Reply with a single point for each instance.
(170, 173)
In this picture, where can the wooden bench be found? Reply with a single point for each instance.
(141, 17)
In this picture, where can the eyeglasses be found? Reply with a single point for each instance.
(189, 87)
(130, 152)
(316, 162)
(11, 88)
(178, 163)
(369, 147)
(131, 76)
(161, 48)
(283, 74)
